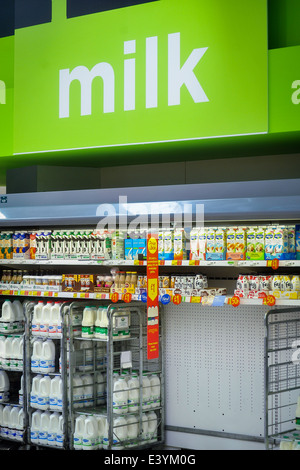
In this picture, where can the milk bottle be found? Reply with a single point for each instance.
(47, 361)
(101, 426)
(103, 328)
(88, 323)
(146, 392)
(44, 426)
(19, 315)
(87, 389)
(14, 417)
(53, 428)
(97, 331)
(20, 425)
(8, 316)
(4, 386)
(78, 433)
(36, 317)
(21, 391)
(133, 393)
(120, 396)
(6, 421)
(55, 397)
(152, 426)
(90, 434)
(45, 319)
(120, 433)
(155, 390)
(18, 351)
(36, 355)
(145, 428)
(100, 388)
(7, 352)
(55, 321)
(35, 426)
(2, 341)
(60, 435)
(44, 392)
(77, 391)
(35, 390)
(132, 430)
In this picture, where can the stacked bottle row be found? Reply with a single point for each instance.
(95, 323)
(47, 428)
(92, 432)
(46, 319)
(11, 352)
(11, 422)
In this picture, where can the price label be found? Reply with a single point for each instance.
(177, 299)
(114, 297)
(235, 301)
(274, 263)
(269, 300)
(127, 297)
(195, 299)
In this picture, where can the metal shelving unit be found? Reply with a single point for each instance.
(282, 375)
(133, 350)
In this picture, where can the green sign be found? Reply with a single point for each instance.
(6, 95)
(284, 89)
(156, 72)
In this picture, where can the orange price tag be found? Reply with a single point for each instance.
(235, 301)
(127, 297)
(114, 297)
(176, 299)
(275, 264)
(269, 300)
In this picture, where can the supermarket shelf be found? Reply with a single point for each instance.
(214, 301)
(89, 262)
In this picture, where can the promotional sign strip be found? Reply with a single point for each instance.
(113, 79)
(152, 298)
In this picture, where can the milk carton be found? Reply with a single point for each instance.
(194, 244)
(43, 244)
(291, 241)
(215, 244)
(169, 245)
(161, 245)
(280, 243)
(236, 243)
(128, 248)
(118, 245)
(269, 243)
(179, 244)
(255, 241)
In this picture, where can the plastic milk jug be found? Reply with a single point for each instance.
(14, 415)
(20, 425)
(55, 321)
(18, 308)
(36, 355)
(44, 392)
(97, 331)
(45, 319)
(4, 386)
(44, 426)
(17, 349)
(2, 340)
(60, 432)
(7, 351)
(47, 362)
(87, 389)
(53, 428)
(119, 432)
(35, 390)
(152, 426)
(120, 396)
(133, 392)
(132, 429)
(21, 391)
(90, 434)
(55, 398)
(100, 388)
(78, 433)
(146, 392)
(6, 420)
(8, 312)
(101, 426)
(77, 391)
(36, 317)
(35, 426)
(145, 427)
(88, 323)
(155, 390)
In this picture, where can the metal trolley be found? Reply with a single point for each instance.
(109, 356)
(282, 376)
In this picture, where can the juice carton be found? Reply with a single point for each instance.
(194, 244)
(168, 245)
(16, 238)
(118, 245)
(142, 248)
(128, 248)
(160, 245)
(255, 241)
(32, 245)
(22, 246)
(230, 243)
(6, 245)
(179, 244)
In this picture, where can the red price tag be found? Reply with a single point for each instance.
(235, 301)
(114, 297)
(269, 300)
(275, 264)
(127, 297)
(176, 299)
